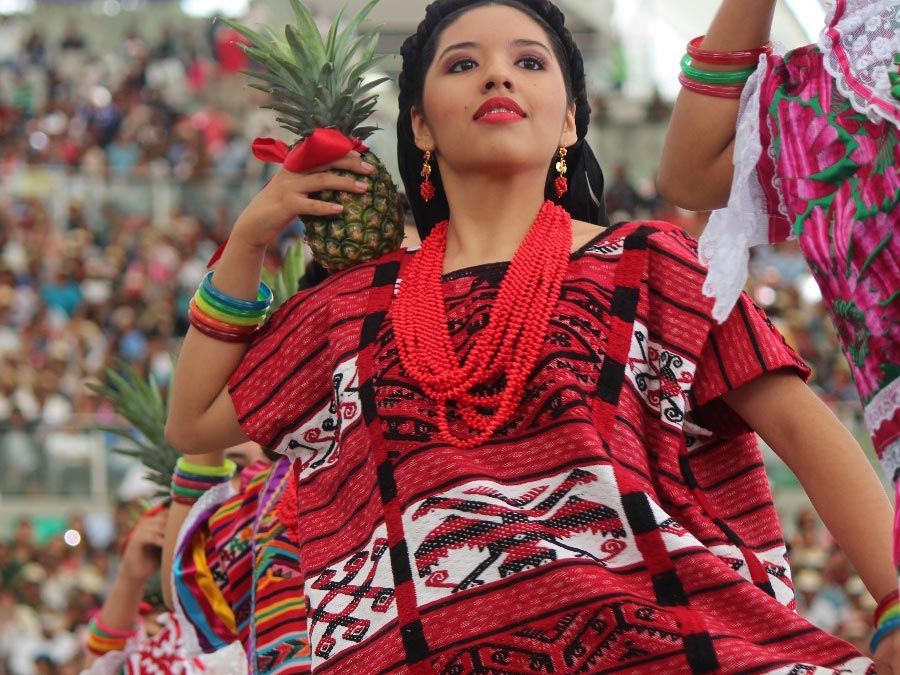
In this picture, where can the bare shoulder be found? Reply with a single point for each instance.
(583, 232)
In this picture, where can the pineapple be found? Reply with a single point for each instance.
(318, 83)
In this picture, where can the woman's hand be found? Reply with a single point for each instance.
(143, 551)
(287, 196)
(887, 656)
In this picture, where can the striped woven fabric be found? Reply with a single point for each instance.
(255, 569)
(621, 522)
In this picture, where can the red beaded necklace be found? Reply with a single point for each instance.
(510, 344)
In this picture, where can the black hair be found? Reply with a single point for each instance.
(584, 199)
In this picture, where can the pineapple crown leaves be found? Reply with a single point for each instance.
(286, 279)
(317, 82)
(140, 403)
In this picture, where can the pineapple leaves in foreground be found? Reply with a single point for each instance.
(141, 404)
(318, 81)
(286, 279)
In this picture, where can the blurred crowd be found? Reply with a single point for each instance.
(105, 282)
(50, 587)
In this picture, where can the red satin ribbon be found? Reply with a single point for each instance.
(323, 147)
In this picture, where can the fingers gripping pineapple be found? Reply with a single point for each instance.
(317, 84)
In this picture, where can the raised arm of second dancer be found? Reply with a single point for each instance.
(696, 166)
(201, 416)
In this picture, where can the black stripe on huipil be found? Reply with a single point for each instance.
(631, 269)
(412, 633)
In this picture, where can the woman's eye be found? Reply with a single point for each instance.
(462, 65)
(531, 63)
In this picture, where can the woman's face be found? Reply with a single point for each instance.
(494, 96)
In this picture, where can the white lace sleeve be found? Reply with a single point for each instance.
(858, 44)
(112, 663)
(744, 222)
(213, 498)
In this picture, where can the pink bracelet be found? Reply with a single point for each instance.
(716, 90)
(119, 633)
(744, 57)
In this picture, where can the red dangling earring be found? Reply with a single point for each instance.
(561, 182)
(426, 189)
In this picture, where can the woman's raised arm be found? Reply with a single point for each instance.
(201, 415)
(696, 166)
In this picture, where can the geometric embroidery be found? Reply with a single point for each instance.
(661, 376)
(618, 634)
(316, 444)
(512, 532)
(774, 562)
(352, 600)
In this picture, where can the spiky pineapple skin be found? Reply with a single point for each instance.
(370, 226)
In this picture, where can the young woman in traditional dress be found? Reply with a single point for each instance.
(525, 446)
(118, 640)
(804, 145)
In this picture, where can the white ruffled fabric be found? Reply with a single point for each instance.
(859, 43)
(744, 222)
(112, 663)
(882, 408)
(230, 660)
(211, 498)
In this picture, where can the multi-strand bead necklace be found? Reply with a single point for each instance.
(505, 350)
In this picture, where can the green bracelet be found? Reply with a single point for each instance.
(226, 309)
(223, 471)
(715, 76)
(187, 492)
(226, 315)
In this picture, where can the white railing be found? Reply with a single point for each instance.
(157, 193)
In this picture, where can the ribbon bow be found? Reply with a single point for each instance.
(323, 147)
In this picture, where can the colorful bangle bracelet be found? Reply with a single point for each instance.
(890, 613)
(215, 313)
(226, 309)
(99, 628)
(883, 631)
(714, 76)
(106, 643)
(102, 639)
(887, 603)
(715, 90)
(99, 648)
(223, 471)
(183, 491)
(196, 482)
(217, 334)
(262, 302)
(732, 58)
(215, 324)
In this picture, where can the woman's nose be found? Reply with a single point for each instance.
(498, 77)
(496, 83)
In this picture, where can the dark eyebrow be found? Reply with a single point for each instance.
(458, 46)
(474, 45)
(531, 43)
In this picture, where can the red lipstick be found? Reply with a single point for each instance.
(499, 109)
